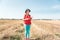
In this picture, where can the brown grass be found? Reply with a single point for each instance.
(40, 29)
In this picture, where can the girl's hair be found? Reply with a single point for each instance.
(27, 10)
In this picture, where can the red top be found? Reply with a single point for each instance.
(28, 22)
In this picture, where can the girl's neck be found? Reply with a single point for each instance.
(26, 14)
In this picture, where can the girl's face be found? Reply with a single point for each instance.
(27, 12)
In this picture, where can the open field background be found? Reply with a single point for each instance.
(40, 30)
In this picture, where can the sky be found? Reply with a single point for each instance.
(40, 9)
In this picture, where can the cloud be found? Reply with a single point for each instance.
(56, 7)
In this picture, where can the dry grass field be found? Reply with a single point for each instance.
(40, 30)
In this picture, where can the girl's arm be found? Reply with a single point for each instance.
(26, 19)
(29, 18)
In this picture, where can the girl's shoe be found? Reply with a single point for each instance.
(28, 39)
(25, 38)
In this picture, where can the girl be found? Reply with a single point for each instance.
(27, 22)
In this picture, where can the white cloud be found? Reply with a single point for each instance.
(56, 7)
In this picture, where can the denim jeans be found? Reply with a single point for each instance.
(27, 31)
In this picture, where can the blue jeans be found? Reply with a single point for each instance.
(27, 31)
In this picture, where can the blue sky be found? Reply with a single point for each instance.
(42, 9)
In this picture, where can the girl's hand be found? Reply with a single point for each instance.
(26, 19)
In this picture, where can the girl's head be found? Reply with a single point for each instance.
(27, 11)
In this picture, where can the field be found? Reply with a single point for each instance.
(40, 30)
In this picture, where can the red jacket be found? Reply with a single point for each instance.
(28, 22)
